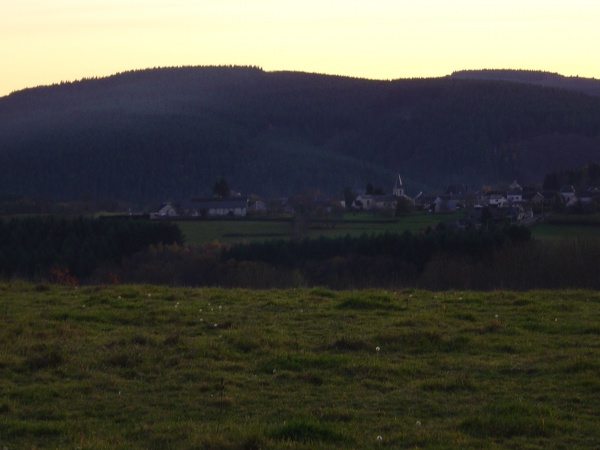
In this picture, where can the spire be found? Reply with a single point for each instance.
(398, 190)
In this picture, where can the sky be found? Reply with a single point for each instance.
(49, 41)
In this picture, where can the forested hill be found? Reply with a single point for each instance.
(160, 134)
(589, 86)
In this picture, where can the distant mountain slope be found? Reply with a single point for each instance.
(158, 134)
(589, 86)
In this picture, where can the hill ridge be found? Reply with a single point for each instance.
(170, 133)
(589, 86)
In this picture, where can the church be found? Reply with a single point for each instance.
(365, 202)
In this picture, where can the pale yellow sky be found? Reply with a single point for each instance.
(48, 41)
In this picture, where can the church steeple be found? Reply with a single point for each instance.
(398, 190)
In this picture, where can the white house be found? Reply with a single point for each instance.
(219, 207)
(386, 201)
(567, 193)
(165, 210)
(364, 202)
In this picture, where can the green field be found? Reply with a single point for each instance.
(141, 366)
(546, 230)
(233, 231)
(248, 230)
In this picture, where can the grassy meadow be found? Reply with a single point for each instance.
(142, 366)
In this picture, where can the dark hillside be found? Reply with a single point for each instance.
(589, 86)
(158, 134)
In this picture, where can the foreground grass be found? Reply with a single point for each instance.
(157, 367)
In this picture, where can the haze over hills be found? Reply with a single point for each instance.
(168, 134)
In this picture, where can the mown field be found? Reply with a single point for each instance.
(142, 366)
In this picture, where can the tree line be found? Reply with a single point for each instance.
(579, 178)
(501, 262)
(414, 249)
(93, 251)
(36, 247)
(377, 260)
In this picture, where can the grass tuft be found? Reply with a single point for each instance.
(508, 418)
(44, 358)
(349, 345)
(322, 292)
(367, 303)
(450, 384)
(302, 430)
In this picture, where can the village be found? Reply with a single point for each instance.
(514, 204)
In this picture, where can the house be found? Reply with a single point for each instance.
(589, 195)
(534, 197)
(514, 193)
(424, 202)
(514, 196)
(497, 200)
(567, 193)
(456, 190)
(219, 207)
(536, 200)
(460, 195)
(443, 204)
(166, 210)
(257, 207)
(364, 202)
(514, 213)
(385, 202)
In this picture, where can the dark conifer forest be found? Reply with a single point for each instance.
(44, 246)
(164, 134)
